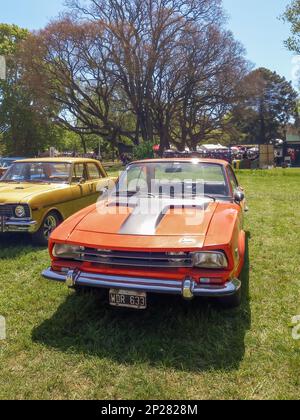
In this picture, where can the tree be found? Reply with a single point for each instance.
(24, 128)
(154, 70)
(213, 88)
(292, 16)
(10, 37)
(269, 107)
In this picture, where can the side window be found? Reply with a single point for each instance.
(94, 171)
(233, 181)
(79, 172)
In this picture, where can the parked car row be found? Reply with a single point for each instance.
(167, 226)
(36, 195)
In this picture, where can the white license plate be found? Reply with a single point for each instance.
(127, 299)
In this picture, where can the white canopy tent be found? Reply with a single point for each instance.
(212, 147)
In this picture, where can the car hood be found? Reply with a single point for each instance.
(146, 224)
(19, 193)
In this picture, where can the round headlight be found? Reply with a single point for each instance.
(210, 260)
(20, 211)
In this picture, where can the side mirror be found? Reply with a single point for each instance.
(238, 196)
(104, 190)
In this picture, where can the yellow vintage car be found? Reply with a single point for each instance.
(36, 195)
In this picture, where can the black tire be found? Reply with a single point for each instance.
(233, 301)
(50, 222)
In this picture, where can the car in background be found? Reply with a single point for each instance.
(171, 226)
(5, 163)
(36, 195)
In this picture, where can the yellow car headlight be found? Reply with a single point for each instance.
(69, 252)
(210, 260)
(20, 211)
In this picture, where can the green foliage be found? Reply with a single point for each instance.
(143, 151)
(10, 36)
(70, 141)
(269, 108)
(292, 16)
(25, 128)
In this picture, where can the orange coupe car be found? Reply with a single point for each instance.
(170, 226)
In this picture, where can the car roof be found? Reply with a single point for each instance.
(60, 159)
(191, 160)
(11, 158)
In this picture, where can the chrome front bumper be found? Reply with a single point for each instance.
(17, 225)
(187, 288)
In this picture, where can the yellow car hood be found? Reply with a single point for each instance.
(23, 192)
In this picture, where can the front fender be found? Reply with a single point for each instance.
(39, 215)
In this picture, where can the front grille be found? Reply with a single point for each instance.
(7, 210)
(136, 259)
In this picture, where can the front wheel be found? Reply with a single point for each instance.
(51, 221)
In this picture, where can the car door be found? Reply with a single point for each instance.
(80, 187)
(97, 181)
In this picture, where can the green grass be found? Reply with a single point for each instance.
(61, 345)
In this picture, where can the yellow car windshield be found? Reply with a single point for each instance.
(38, 172)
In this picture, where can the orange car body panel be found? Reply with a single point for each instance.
(219, 227)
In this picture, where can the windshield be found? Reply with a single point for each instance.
(38, 172)
(6, 163)
(174, 179)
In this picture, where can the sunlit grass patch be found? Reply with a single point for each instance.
(62, 345)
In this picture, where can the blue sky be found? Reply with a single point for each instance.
(254, 22)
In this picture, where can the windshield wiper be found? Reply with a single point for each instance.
(146, 194)
(188, 196)
(205, 195)
(133, 193)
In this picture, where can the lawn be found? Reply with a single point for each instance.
(61, 345)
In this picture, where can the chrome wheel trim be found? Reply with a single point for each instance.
(50, 223)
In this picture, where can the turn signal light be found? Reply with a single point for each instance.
(205, 280)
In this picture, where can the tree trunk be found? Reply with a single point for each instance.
(262, 139)
(83, 143)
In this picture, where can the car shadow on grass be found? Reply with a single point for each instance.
(14, 245)
(189, 336)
